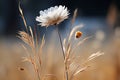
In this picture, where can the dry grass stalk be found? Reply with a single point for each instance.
(21, 12)
(67, 48)
(74, 16)
(29, 38)
(94, 55)
(26, 38)
(78, 67)
(69, 51)
(66, 53)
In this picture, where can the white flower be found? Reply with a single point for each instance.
(52, 16)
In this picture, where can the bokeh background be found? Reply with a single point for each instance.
(101, 19)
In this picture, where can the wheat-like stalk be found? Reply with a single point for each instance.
(69, 49)
(34, 52)
(34, 55)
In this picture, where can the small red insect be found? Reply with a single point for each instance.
(78, 34)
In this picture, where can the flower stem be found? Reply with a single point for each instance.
(66, 71)
(61, 43)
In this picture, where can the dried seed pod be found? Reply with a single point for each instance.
(21, 69)
(78, 34)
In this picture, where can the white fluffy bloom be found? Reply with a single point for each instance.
(53, 15)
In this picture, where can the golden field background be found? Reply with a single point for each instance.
(96, 17)
(105, 67)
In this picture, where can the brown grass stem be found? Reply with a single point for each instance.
(66, 71)
(61, 43)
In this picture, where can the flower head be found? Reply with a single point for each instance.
(53, 15)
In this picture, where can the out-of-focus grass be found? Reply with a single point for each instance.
(105, 67)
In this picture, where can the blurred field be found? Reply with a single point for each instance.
(106, 67)
(101, 19)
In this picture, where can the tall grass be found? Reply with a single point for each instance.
(34, 50)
